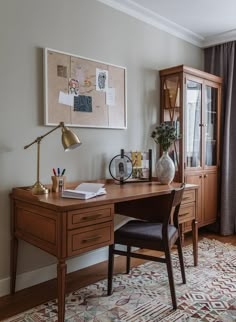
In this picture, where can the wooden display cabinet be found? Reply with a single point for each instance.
(191, 101)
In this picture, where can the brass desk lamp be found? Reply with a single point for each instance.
(69, 140)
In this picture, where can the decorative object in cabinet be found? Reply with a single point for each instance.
(191, 101)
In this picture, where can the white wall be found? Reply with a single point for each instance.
(86, 28)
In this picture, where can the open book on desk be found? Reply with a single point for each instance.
(85, 191)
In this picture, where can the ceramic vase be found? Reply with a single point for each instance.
(165, 169)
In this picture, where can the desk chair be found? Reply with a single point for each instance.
(156, 232)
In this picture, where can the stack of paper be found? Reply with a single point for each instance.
(85, 191)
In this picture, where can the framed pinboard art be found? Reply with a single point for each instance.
(83, 92)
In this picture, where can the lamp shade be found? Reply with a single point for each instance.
(69, 139)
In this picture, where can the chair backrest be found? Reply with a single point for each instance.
(176, 203)
(156, 209)
(178, 195)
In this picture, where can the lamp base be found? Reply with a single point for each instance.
(39, 189)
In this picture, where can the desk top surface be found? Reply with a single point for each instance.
(115, 193)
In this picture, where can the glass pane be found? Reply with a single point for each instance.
(174, 154)
(210, 125)
(171, 88)
(193, 121)
(172, 112)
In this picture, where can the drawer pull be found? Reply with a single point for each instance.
(90, 217)
(185, 213)
(87, 240)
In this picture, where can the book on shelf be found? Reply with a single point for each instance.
(85, 190)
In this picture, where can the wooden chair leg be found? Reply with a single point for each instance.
(128, 259)
(181, 260)
(181, 233)
(110, 269)
(171, 277)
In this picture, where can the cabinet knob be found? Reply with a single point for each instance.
(200, 177)
(205, 175)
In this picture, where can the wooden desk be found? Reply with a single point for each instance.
(68, 227)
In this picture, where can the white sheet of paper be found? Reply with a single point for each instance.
(101, 80)
(66, 99)
(110, 96)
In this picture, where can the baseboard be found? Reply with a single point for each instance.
(46, 273)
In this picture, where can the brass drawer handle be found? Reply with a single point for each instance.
(91, 239)
(91, 217)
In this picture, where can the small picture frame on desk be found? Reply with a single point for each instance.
(132, 166)
(121, 168)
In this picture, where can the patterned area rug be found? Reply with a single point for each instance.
(143, 295)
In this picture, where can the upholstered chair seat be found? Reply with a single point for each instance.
(143, 234)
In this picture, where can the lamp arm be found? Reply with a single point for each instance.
(70, 141)
(39, 139)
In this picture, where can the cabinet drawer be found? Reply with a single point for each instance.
(89, 238)
(90, 216)
(186, 213)
(189, 196)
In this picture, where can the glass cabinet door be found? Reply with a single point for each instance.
(193, 123)
(171, 109)
(210, 125)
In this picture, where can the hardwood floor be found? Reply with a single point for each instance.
(11, 305)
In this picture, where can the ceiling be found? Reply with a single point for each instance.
(203, 22)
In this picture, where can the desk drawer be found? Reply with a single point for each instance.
(186, 213)
(189, 196)
(89, 238)
(89, 216)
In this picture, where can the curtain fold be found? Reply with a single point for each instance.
(220, 60)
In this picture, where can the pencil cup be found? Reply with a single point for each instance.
(58, 183)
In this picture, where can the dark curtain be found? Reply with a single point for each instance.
(220, 60)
